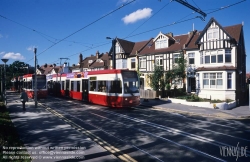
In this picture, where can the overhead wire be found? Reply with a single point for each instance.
(38, 32)
(93, 47)
(171, 24)
(224, 7)
(86, 26)
(150, 17)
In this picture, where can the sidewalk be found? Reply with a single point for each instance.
(240, 112)
(39, 130)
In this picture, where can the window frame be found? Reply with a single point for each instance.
(142, 62)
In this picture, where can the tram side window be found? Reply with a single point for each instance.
(115, 86)
(72, 86)
(102, 86)
(29, 85)
(63, 85)
(67, 84)
(92, 86)
(78, 86)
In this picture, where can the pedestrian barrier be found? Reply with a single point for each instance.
(147, 94)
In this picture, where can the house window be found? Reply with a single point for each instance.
(229, 80)
(142, 62)
(219, 81)
(207, 59)
(205, 80)
(213, 59)
(220, 58)
(159, 60)
(133, 63)
(216, 57)
(212, 33)
(176, 58)
(118, 49)
(212, 80)
(227, 55)
(191, 58)
(160, 43)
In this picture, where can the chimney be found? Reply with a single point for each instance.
(80, 58)
(45, 65)
(97, 54)
(170, 34)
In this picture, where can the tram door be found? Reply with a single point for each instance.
(85, 91)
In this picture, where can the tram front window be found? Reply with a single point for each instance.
(131, 87)
(41, 84)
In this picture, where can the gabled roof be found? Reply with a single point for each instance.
(57, 69)
(138, 46)
(234, 31)
(206, 28)
(176, 46)
(104, 61)
(45, 69)
(127, 46)
(94, 64)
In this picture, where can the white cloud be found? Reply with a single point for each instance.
(14, 56)
(31, 48)
(137, 15)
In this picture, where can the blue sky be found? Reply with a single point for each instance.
(66, 28)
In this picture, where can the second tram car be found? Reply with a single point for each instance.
(112, 88)
(29, 84)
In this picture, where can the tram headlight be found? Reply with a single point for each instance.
(126, 99)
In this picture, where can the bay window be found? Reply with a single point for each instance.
(212, 80)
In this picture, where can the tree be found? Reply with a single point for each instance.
(15, 69)
(179, 71)
(157, 79)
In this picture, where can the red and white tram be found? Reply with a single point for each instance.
(29, 85)
(112, 88)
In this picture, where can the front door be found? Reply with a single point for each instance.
(193, 84)
(85, 91)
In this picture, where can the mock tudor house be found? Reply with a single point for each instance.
(221, 66)
(216, 59)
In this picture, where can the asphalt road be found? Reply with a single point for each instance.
(145, 134)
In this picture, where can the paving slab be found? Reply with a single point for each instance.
(45, 136)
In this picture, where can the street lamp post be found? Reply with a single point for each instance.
(113, 52)
(35, 86)
(5, 98)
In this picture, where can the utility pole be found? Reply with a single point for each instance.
(113, 52)
(5, 98)
(35, 87)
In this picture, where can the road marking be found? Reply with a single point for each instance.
(115, 151)
(172, 130)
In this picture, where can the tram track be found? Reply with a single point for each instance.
(112, 149)
(175, 131)
(62, 113)
(171, 130)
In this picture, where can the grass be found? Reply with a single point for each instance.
(9, 138)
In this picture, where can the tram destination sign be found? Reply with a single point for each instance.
(129, 74)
